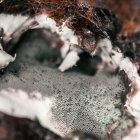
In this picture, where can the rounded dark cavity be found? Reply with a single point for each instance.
(82, 102)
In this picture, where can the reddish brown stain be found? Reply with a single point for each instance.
(90, 19)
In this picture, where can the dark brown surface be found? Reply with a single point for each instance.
(12, 128)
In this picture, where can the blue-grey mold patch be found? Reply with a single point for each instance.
(81, 102)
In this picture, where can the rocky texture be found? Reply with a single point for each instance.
(81, 102)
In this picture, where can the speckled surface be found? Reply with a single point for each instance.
(81, 102)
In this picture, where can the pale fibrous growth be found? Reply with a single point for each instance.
(14, 26)
(133, 98)
(11, 28)
(28, 105)
(5, 58)
(116, 57)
